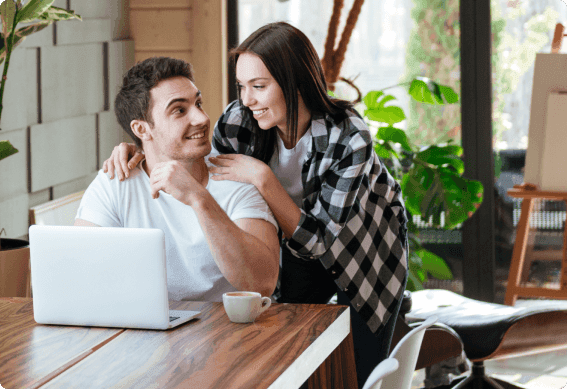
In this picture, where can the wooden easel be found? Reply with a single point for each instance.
(519, 267)
(523, 254)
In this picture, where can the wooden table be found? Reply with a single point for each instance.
(287, 345)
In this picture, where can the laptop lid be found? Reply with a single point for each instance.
(99, 276)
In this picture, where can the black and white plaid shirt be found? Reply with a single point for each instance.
(353, 218)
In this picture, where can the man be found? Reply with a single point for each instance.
(220, 235)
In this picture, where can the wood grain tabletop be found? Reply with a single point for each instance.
(32, 354)
(276, 351)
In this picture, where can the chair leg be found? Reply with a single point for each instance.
(479, 380)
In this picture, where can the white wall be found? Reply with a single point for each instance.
(57, 107)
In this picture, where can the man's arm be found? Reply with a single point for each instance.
(246, 252)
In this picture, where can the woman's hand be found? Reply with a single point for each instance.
(118, 161)
(241, 168)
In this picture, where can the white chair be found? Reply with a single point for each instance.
(59, 212)
(406, 353)
(385, 368)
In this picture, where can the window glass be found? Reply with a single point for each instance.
(520, 29)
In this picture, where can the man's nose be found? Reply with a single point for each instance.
(199, 118)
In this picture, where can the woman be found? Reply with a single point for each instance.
(341, 214)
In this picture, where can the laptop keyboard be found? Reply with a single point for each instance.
(172, 318)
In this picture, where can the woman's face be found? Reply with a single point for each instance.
(260, 92)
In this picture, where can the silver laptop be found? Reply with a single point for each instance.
(101, 276)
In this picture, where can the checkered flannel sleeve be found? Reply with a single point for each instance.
(346, 165)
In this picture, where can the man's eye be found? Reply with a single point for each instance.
(199, 104)
(179, 110)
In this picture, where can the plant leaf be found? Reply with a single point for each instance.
(7, 13)
(6, 149)
(435, 265)
(21, 34)
(371, 99)
(33, 9)
(424, 90)
(394, 135)
(56, 13)
(389, 115)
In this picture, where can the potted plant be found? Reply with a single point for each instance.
(431, 177)
(35, 15)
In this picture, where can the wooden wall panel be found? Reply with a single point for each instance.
(157, 30)
(193, 30)
(62, 151)
(184, 55)
(210, 54)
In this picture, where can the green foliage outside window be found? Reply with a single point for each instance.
(433, 51)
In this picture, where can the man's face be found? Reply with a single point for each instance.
(181, 127)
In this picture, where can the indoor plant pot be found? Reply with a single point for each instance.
(15, 278)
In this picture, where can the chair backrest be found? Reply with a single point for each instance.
(406, 353)
(384, 368)
(59, 212)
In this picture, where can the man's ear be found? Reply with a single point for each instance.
(141, 129)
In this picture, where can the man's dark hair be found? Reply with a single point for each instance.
(133, 100)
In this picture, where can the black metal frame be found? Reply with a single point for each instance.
(476, 111)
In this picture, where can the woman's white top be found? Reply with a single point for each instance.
(287, 165)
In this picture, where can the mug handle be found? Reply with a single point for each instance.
(266, 302)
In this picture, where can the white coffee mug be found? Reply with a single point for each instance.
(244, 307)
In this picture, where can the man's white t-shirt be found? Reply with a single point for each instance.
(192, 273)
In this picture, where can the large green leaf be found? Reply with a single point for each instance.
(32, 10)
(434, 265)
(394, 135)
(426, 91)
(430, 191)
(371, 99)
(7, 14)
(21, 34)
(6, 149)
(389, 115)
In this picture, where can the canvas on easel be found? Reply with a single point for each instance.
(546, 156)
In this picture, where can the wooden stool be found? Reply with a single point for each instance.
(520, 265)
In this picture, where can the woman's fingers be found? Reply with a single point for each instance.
(136, 159)
(109, 167)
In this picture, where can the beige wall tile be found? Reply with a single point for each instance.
(20, 94)
(73, 186)
(62, 151)
(39, 197)
(109, 134)
(120, 59)
(161, 30)
(13, 170)
(43, 38)
(120, 16)
(86, 31)
(72, 81)
(91, 8)
(14, 216)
